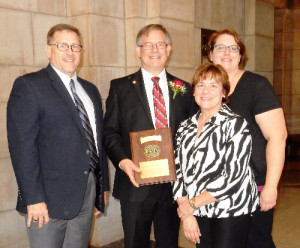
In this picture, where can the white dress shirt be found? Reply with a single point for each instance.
(163, 84)
(87, 102)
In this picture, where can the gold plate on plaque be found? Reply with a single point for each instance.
(152, 151)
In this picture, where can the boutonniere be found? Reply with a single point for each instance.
(178, 87)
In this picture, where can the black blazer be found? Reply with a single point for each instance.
(127, 110)
(48, 148)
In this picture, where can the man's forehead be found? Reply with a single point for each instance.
(61, 34)
(151, 32)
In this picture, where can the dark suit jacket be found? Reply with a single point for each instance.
(127, 110)
(48, 146)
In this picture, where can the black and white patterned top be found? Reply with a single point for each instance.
(218, 162)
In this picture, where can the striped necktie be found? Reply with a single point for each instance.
(87, 127)
(160, 112)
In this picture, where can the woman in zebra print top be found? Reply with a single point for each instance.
(215, 187)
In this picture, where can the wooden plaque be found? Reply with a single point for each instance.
(152, 150)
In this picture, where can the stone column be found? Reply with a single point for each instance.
(102, 25)
(23, 25)
(286, 64)
(178, 18)
(259, 36)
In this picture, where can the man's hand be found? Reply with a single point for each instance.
(105, 197)
(268, 197)
(129, 168)
(37, 213)
(191, 229)
(96, 211)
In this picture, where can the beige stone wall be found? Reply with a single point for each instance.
(109, 29)
(259, 36)
(23, 28)
(287, 64)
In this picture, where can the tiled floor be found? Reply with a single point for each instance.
(119, 244)
(286, 228)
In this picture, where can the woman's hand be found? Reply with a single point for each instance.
(267, 198)
(191, 229)
(184, 208)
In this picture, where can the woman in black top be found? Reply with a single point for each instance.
(253, 97)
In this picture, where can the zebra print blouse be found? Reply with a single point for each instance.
(218, 162)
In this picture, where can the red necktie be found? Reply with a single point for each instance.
(160, 112)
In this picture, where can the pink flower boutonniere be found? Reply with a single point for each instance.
(177, 87)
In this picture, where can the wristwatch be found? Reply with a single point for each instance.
(192, 203)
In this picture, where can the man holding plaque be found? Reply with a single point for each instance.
(150, 98)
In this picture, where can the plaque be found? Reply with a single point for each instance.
(152, 150)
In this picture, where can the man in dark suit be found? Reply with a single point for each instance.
(130, 106)
(54, 126)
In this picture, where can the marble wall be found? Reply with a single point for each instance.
(109, 29)
(287, 64)
(23, 28)
(259, 36)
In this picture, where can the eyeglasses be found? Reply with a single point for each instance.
(222, 48)
(149, 45)
(65, 47)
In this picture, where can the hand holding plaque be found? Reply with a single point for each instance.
(152, 150)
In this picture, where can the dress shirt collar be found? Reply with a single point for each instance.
(65, 78)
(162, 76)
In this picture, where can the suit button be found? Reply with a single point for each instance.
(86, 172)
(87, 152)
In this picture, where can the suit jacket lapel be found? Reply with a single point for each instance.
(65, 96)
(171, 102)
(138, 84)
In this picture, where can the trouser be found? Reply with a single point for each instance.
(260, 232)
(73, 233)
(230, 232)
(137, 218)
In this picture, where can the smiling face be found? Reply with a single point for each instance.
(153, 60)
(67, 61)
(229, 60)
(208, 95)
